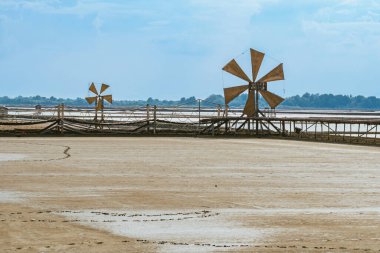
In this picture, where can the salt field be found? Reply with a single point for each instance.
(187, 195)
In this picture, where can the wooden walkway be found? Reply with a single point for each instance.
(189, 122)
(343, 130)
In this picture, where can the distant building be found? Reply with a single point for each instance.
(3, 111)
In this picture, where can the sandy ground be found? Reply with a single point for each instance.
(187, 195)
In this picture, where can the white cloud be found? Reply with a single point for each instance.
(347, 23)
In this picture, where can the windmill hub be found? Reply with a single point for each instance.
(258, 86)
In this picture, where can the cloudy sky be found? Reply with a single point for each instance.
(175, 48)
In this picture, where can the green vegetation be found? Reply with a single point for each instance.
(311, 101)
(329, 101)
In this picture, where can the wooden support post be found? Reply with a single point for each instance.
(315, 130)
(375, 134)
(321, 131)
(257, 111)
(58, 117)
(306, 128)
(155, 119)
(199, 114)
(283, 128)
(148, 117)
(102, 111)
(96, 114)
(328, 131)
(61, 109)
(350, 131)
(257, 125)
(63, 117)
(336, 130)
(226, 123)
(213, 128)
(344, 130)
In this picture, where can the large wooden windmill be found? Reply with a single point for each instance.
(254, 87)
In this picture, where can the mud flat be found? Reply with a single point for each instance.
(187, 195)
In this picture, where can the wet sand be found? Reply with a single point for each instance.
(187, 195)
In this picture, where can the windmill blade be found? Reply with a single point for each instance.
(91, 100)
(256, 60)
(272, 99)
(233, 92)
(249, 108)
(104, 87)
(274, 75)
(93, 89)
(233, 68)
(108, 98)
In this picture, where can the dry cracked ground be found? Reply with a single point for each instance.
(187, 195)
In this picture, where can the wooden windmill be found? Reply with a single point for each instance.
(254, 87)
(98, 99)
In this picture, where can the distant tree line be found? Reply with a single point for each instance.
(306, 101)
(329, 101)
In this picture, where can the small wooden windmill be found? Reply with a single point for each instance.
(98, 99)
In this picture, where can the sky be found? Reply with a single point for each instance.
(177, 48)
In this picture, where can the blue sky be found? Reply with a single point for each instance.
(175, 48)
